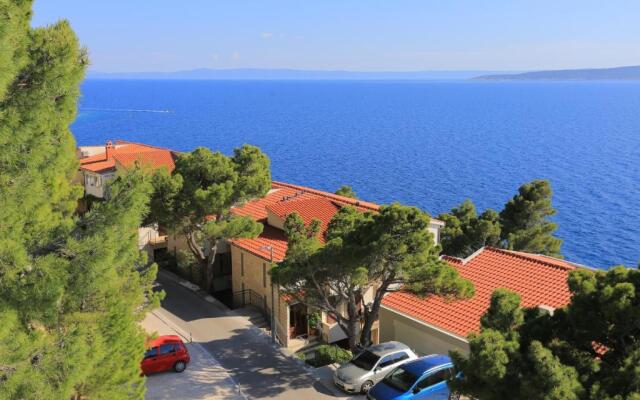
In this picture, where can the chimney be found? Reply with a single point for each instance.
(547, 309)
(108, 149)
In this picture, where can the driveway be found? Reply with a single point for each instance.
(247, 355)
(204, 378)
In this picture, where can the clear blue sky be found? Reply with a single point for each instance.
(393, 35)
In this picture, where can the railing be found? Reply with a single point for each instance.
(249, 297)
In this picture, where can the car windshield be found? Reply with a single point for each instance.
(366, 360)
(400, 379)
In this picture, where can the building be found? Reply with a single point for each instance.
(251, 259)
(433, 325)
(100, 164)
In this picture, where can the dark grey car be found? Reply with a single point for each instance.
(371, 365)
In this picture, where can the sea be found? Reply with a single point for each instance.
(431, 144)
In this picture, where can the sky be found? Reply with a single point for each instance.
(365, 35)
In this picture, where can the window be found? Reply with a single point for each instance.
(366, 360)
(393, 359)
(98, 181)
(434, 378)
(168, 348)
(264, 275)
(241, 264)
(400, 379)
(151, 352)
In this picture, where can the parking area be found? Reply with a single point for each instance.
(204, 378)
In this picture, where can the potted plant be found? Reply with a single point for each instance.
(314, 323)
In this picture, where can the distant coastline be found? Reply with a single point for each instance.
(631, 73)
(291, 74)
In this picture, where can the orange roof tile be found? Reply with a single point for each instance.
(270, 237)
(126, 153)
(284, 198)
(539, 280)
(319, 208)
(154, 159)
(100, 166)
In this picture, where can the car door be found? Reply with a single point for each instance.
(150, 362)
(433, 386)
(167, 356)
(389, 362)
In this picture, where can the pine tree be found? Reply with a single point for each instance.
(196, 199)
(525, 224)
(385, 251)
(71, 289)
(346, 191)
(465, 232)
(589, 350)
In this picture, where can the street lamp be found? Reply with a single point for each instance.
(273, 303)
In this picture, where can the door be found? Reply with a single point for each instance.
(150, 361)
(167, 357)
(433, 386)
(389, 362)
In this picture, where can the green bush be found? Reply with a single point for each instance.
(314, 320)
(329, 354)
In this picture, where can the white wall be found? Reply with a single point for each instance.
(421, 338)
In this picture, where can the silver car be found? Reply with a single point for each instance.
(370, 366)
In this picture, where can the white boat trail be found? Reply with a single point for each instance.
(125, 110)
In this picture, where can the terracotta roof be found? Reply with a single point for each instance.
(270, 236)
(539, 280)
(126, 153)
(319, 208)
(154, 159)
(284, 198)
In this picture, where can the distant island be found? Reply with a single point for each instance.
(290, 74)
(593, 74)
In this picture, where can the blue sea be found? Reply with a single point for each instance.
(429, 144)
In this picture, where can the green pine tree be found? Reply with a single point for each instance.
(196, 199)
(346, 191)
(465, 231)
(525, 224)
(71, 289)
(589, 350)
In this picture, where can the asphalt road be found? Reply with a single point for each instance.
(251, 360)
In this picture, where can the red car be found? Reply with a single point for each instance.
(165, 353)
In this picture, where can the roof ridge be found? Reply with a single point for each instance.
(122, 141)
(523, 255)
(348, 200)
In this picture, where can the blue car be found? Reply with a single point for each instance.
(424, 378)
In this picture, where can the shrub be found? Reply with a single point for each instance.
(329, 354)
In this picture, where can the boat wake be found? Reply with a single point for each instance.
(125, 110)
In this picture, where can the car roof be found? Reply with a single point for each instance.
(160, 340)
(424, 364)
(383, 349)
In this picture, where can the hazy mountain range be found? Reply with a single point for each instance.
(619, 73)
(592, 74)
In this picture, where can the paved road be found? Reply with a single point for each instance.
(204, 378)
(253, 363)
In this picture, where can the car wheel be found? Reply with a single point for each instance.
(454, 396)
(179, 366)
(366, 386)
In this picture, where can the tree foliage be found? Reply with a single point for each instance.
(364, 253)
(465, 231)
(71, 288)
(586, 351)
(195, 200)
(522, 225)
(346, 191)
